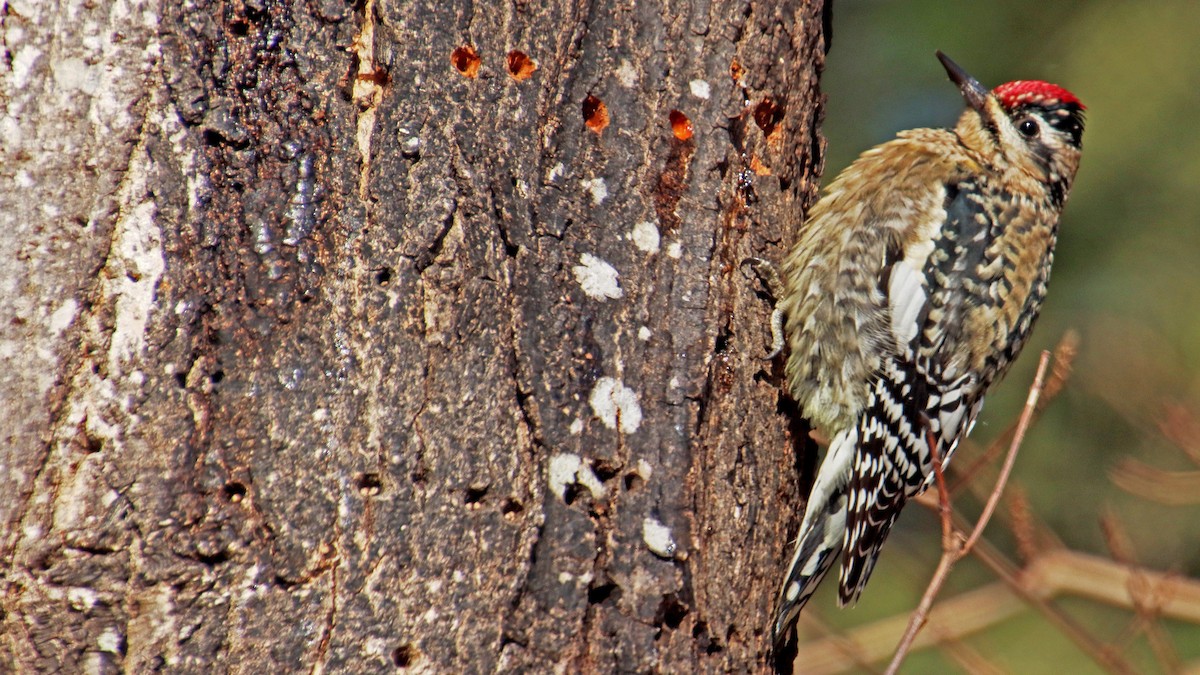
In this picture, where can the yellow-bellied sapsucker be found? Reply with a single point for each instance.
(914, 284)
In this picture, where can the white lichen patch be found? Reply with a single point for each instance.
(109, 641)
(378, 647)
(675, 250)
(644, 333)
(700, 89)
(626, 74)
(73, 74)
(597, 187)
(23, 61)
(81, 599)
(569, 469)
(645, 237)
(562, 472)
(576, 427)
(64, 316)
(658, 538)
(616, 405)
(597, 278)
(644, 469)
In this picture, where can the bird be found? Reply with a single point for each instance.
(913, 285)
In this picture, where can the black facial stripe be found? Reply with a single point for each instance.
(1064, 117)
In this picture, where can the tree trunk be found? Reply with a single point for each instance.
(347, 337)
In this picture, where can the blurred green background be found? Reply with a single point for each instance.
(1126, 278)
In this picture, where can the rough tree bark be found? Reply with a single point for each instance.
(349, 336)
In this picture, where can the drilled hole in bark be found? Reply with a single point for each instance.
(214, 559)
(405, 655)
(602, 592)
(708, 643)
(217, 376)
(383, 276)
(475, 495)
(681, 126)
(722, 344)
(605, 471)
(671, 612)
(767, 115)
(520, 66)
(235, 491)
(181, 380)
(379, 76)
(633, 480)
(511, 507)
(93, 444)
(570, 492)
(466, 60)
(369, 484)
(595, 114)
(505, 641)
(239, 27)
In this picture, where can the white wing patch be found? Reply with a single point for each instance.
(906, 298)
(832, 476)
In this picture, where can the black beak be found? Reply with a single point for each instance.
(974, 93)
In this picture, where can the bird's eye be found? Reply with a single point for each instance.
(1029, 127)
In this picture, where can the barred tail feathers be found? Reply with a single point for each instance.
(822, 532)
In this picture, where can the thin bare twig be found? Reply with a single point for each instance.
(1064, 355)
(953, 548)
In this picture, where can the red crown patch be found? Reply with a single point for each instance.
(1034, 92)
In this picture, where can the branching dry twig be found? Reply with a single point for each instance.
(1036, 583)
(1052, 574)
(1147, 598)
(954, 618)
(953, 548)
(1050, 570)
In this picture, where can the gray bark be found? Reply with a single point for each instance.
(320, 354)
